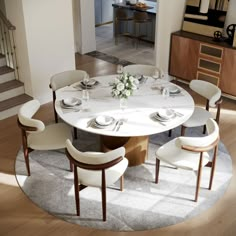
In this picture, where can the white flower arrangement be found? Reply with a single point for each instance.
(124, 85)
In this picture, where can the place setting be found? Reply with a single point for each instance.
(101, 122)
(86, 83)
(70, 104)
(165, 115)
(174, 91)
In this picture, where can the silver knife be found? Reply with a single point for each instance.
(117, 122)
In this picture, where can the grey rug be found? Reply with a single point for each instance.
(142, 205)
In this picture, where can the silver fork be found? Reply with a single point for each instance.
(119, 125)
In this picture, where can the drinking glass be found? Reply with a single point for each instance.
(156, 75)
(86, 80)
(165, 92)
(85, 98)
(119, 69)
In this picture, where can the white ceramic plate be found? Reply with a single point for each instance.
(174, 89)
(71, 101)
(104, 120)
(91, 83)
(165, 114)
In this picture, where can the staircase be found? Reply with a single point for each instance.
(12, 94)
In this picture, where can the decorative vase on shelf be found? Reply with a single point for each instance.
(123, 103)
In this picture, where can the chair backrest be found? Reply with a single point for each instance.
(207, 90)
(66, 78)
(26, 113)
(95, 161)
(210, 140)
(139, 69)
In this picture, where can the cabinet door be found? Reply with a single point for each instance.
(184, 58)
(98, 12)
(228, 78)
(107, 11)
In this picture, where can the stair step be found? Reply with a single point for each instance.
(11, 89)
(10, 85)
(11, 106)
(5, 70)
(3, 61)
(6, 74)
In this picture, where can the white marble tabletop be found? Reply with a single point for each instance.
(138, 116)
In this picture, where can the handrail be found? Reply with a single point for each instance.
(7, 43)
(8, 24)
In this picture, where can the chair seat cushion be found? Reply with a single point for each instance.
(53, 137)
(180, 158)
(198, 118)
(94, 178)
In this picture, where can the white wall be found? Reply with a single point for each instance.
(231, 14)
(84, 25)
(2, 6)
(14, 11)
(47, 28)
(169, 19)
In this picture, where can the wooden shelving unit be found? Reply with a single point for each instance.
(194, 56)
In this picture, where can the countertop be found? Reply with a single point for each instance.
(152, 6)
(203, 38)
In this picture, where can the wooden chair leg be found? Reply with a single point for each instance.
(103, 196)
(75, 133)
(122, 183)
(56, 117)
(204, 129)
(157, 170)
(198, 178)
(71, 166)
(183, 128)
(213, 167)
(26, 155)
(77, 189)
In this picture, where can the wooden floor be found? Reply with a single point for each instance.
(19, 216)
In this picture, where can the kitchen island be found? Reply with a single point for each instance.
(147, 29)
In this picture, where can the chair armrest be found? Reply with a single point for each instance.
(95, 158)
(200, 149)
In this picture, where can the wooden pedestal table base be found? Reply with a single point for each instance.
(136, 147)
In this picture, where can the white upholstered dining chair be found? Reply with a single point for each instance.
(146, 70)
(191, 153)
(96, 169)
(37, 136)
(212, 94)
(63, 79)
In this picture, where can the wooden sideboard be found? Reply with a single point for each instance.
(194, 56)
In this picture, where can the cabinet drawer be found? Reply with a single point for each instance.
(209, 65)
(211, 51)
(209, 78)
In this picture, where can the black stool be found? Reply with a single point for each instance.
(121, 17)
(140, 18)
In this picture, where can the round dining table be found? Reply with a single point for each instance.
(132, 126)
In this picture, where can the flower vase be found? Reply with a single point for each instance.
(123, 103)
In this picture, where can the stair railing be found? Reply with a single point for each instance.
(7, 43)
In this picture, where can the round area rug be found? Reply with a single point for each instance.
(142, 205)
